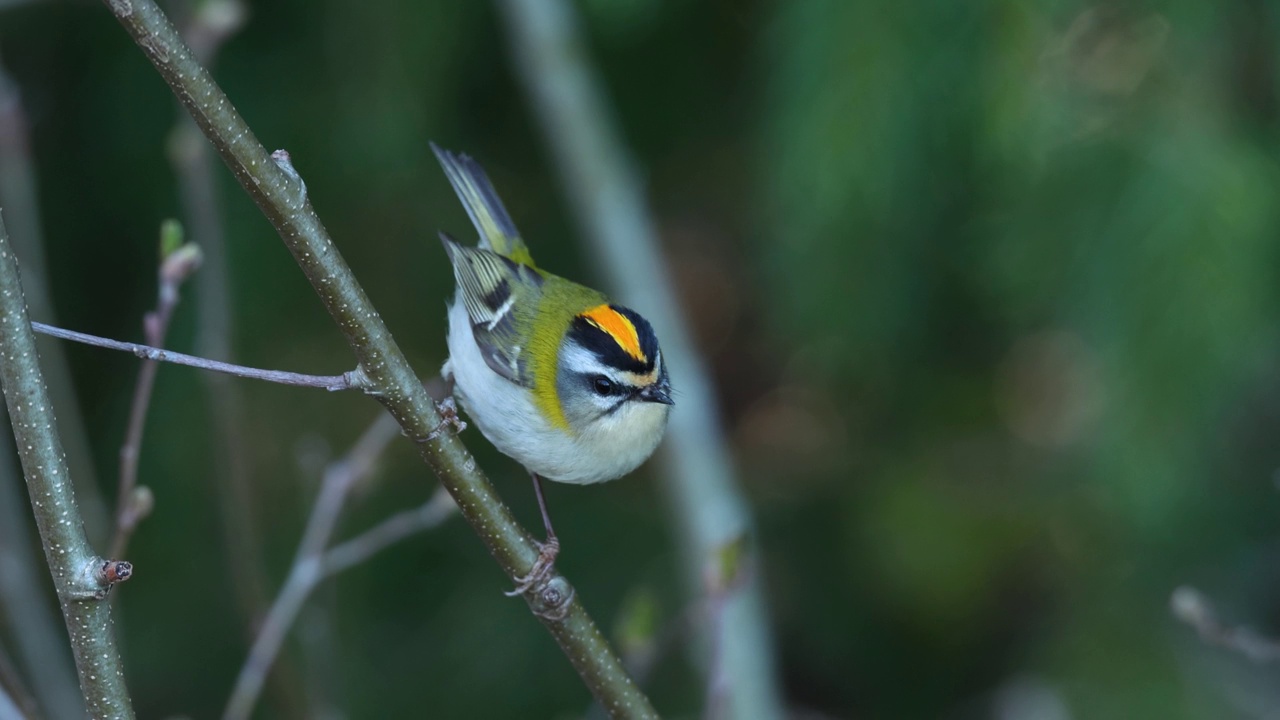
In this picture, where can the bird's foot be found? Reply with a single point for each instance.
(542, 568)
(448, 409)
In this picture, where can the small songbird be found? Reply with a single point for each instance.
(571, 386)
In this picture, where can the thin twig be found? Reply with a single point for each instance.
(302, 580)
(387, 533)
(1192, 607)
(174, 269)
(350, 380)
(313, 563)
(549, 54)
(77, 571)
(339, 478)
(271, 181)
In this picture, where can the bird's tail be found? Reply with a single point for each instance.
(497, 232)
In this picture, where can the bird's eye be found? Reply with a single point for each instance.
(602, 385)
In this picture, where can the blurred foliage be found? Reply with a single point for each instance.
(988, 288)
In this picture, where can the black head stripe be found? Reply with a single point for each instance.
(607, 349)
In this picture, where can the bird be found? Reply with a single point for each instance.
(557, 377)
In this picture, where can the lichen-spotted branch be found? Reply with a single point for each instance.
(82, 579)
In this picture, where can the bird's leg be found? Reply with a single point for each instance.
(542, 507)
(547, 550)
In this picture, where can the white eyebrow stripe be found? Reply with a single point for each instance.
(501, 313)
(585, 362)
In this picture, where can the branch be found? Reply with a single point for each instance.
(308, 574)
(1191, 607)
(82, 579)
(178, 263)
(281, 195)
(387, 533)
(313, 563)
(549, 55)
(350, 380)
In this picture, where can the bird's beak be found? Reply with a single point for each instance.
(659, 393)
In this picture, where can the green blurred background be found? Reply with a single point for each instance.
(988, 290)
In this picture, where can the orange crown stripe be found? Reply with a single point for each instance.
(618, 327)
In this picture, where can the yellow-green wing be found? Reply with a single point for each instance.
(499, 295)
(497, 231)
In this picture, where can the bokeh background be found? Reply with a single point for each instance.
(988, 291)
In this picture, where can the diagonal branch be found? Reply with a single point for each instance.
(281, 195)
(81, 578)
(352, 552)
(314, 563)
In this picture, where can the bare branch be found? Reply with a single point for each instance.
(351, 380)
(388, 532)
(313, 564)
(175, 267)
(1192, 607)
(81, 590)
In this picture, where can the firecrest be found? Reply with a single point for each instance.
(570, 385)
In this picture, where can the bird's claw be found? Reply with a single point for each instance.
(448, 409)
(541, 570)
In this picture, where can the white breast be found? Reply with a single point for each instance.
(506, 415)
